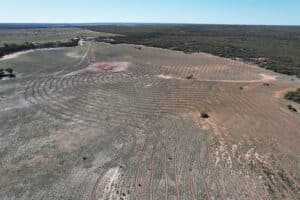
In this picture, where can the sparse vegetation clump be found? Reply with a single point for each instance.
(204, 115)
(291, 108)
(138, 48)
(7, 73)
(293, 96)
(190, 77)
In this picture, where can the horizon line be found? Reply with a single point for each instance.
(142, 23)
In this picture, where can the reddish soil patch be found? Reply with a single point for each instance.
(36, 160)
(102, 67)
(281, 92)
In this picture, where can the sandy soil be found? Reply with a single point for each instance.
(103, 67)
(36, 160)
(141, 133)
(264, 78)
(73, 55)
(16, 55)
(165, 77)
(107, 67)
(282, 91)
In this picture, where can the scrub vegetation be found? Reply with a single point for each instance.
(272, 47)
(293, 96)
(13, 48)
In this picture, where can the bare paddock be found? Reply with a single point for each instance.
(103, 121)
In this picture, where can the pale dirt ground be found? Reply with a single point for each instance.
(16, 55)
(104, 67)
(124, 123)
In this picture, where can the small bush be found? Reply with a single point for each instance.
(190, 77)
(204, 115)
(291, 108)
(293, 96)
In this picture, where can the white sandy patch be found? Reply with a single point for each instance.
(81, 42)
(5, 78)
(165, 76)
(108, 67)
(109, 180)
(168, 77)
(149, 85)
(266, 77)
(73, 55)
(17, 54)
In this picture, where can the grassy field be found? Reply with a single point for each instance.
(272, 47)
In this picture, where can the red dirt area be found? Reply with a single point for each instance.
(282, 91)
(102, 67)
(111, 67)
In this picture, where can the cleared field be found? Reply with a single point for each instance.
(19, 36)
(103, 121)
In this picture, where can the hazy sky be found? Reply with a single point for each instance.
(281, 12)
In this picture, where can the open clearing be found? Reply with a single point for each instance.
(20, 36)
(117, 122)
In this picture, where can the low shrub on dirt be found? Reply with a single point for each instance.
(293, 96)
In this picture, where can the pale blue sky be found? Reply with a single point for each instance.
(279, 12)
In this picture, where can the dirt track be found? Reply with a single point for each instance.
(160, 147)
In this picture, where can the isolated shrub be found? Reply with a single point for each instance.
(204, 115)
(293, 96)
(9, 70)
(291, 108)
